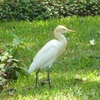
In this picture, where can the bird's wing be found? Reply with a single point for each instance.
(45, 56)
(47, 48)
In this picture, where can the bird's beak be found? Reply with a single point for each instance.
(71, 30)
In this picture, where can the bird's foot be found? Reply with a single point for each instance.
(33, 87)
(43, 82)
(36, 86)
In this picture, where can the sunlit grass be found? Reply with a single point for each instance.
(75, 75)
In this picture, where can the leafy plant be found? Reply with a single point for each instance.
(9, 64)
(34, 9)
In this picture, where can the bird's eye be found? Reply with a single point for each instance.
(64, 29)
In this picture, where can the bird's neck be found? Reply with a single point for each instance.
(61, 38)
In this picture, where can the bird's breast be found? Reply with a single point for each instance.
(61, 48)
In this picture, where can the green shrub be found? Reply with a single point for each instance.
(20, 10)
(34, 9)
(10, 64)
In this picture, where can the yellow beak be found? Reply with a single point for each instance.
(71, 31)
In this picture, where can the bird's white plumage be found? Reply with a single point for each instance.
(50, 51)
(46, 56)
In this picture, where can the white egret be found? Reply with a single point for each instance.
(50, 52)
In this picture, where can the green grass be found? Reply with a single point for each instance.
(75, 76)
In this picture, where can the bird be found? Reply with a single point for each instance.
(48, 54)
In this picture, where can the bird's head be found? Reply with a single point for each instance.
(62, 29)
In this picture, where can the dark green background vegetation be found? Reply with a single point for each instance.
(45, 9)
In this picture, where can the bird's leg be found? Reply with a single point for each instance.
(37, 77)
(48, 78)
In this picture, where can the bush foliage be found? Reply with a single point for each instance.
(10, 65)
(45, 9)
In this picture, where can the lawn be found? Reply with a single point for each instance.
(75, 75)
